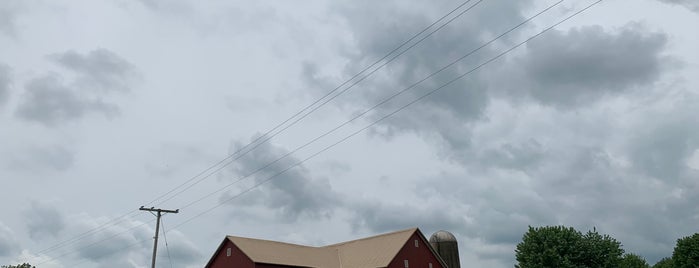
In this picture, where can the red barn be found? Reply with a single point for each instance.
(401, 249)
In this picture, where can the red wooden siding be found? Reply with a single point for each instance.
(418, 257)
(236, 260)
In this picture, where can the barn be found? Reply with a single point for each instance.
(401, 249)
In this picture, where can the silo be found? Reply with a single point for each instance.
(444, 243)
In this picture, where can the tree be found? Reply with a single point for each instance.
(23, 265)
(664, 263)
(631, 260)
(600, 250)
(550, 246)
(686, 253)
(565, 247)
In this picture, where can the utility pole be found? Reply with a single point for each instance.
(159, 212)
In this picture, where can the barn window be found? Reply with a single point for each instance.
(430, 265)
(228, 252)
(416, 243)
(406, 263)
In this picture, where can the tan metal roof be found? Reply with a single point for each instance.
(371, 252)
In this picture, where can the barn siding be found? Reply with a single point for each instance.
(418, 257)
(238, 259)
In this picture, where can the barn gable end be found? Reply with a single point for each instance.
(236, 258)
(402, 249)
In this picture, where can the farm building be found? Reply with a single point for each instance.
(400, 249)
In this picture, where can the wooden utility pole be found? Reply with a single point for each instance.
(159, 213)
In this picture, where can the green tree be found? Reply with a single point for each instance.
(550, 246)
(631, 260)
(23, 265)
(686, 253)
(600, 250)
(664, 263)
(565, 247)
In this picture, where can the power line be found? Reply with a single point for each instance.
(137, 243)
(86, 233)
(49, 258)
(158, 214)
(167, 247)
(384, 101)
(266, 134)
(389, 115)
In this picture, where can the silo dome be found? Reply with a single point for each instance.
(442, 236)
(444, 243)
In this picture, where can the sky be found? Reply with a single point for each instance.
(107, 106)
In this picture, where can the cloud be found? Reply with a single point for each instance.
(8, 242)
(117, 241)
(48, 101)
(662, 145)
(43, 220)
(182, 251)
(293, 194)
(381, 217)
(551, 135)
(9, 11)
(5, 83)
(447, 116)
(126, 242)
(584, 64)
(99, 69)
(36, 158)
(690, 4)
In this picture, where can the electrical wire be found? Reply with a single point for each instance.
(167, 247)
(267, 134)
(49, 258)
(382, 118)
(387, 115)
(306, 112)
(87, 233)
(384, 101)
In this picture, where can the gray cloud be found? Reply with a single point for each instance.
(9, 11)
(583, 64)
(454, 109)
(48, 101)
(542, 168)
(53, 158)
(292, 194)
(5, 83)
(690, 4)
(381, 217)
(8, 242)
(182, 251)
(116, 242)
(42, 220)
(99, 69)
(640, 190)
(661, 147)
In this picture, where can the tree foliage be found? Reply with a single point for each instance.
(565, 247)
(600, 250)
(23, 265)
(664, 263)
(631, 260)
(686, 253)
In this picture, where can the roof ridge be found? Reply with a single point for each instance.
(272, 241)
(413, 229)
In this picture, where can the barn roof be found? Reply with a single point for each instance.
(375, 251)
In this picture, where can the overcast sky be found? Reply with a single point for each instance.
(107, 105)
